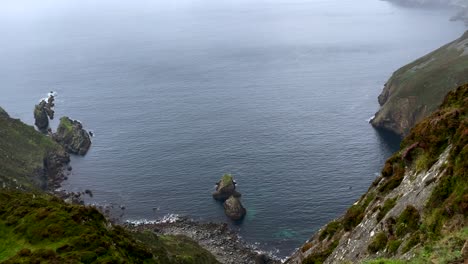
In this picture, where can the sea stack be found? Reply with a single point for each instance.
(233, 208)
(226, 192)
(71, 135)
(225, 188)
(42, 112)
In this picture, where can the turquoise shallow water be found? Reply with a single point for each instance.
(276, 92)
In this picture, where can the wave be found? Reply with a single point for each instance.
(167, 219)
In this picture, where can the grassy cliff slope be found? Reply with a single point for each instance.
(417, 89)
(25, 154)
(416, 210)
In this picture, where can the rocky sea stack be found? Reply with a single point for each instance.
(225, 188)
(233, 208)
(226, 192)
(71, 135)
(42, 112)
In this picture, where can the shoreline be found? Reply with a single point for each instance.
(225, 244)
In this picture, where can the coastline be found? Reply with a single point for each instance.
(225, 244)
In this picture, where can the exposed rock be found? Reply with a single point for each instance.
(233, 208)
(41, 117)
(54, 165)
(71, 135)
(225, 188)
(417, 89)
(42, 112)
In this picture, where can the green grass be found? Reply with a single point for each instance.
(387, 206)
(226, 179)
(425, 87)
(319, 257)
(23, 152)
(40, 227)
(177, 249)
(378, 243)
(330, 229)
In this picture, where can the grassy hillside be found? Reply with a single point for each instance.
(417, 89)
(23, 154)
(40, 228)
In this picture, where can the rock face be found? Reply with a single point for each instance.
(225, 188)
(419, 201)
(71, 135)
(417, 89)
(42, 112)
(234, 209)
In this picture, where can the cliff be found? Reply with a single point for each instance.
(417, 89)
(28, 159)
(417, 208)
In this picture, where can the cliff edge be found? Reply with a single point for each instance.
(417, 209)
(417, 89)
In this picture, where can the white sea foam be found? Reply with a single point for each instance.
(49, 94)
(369, 119)
(167, 219)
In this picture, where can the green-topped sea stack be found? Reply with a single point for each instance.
(225, 188)
(71, 135)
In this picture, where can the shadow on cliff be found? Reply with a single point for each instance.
(388, 140)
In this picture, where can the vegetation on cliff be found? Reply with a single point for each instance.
(40, 228)
(417, 89)
(24, 155)
(417, 209)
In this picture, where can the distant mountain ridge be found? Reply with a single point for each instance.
(460, 5)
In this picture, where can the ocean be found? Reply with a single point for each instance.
(276, 92)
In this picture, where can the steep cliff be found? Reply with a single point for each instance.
(28, 159)
(417, 208)
(417, 89)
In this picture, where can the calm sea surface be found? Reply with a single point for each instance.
(276, 92)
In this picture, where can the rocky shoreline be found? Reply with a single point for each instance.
(222, 242)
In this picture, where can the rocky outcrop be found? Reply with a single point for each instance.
(42, 112)
(71, 135)
(233, 208)
(417, 89)
(417, 204)
(225, 188)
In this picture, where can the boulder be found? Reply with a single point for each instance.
(71, 135)
(225, 188)
(233, 208)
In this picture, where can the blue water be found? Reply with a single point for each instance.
(276, 92)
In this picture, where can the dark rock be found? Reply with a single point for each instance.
(54, 164)
(88, 192)
(225, 188)
(71, 135)
(264, 259)
(41, 117)
(42, 112)
(233, 208)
